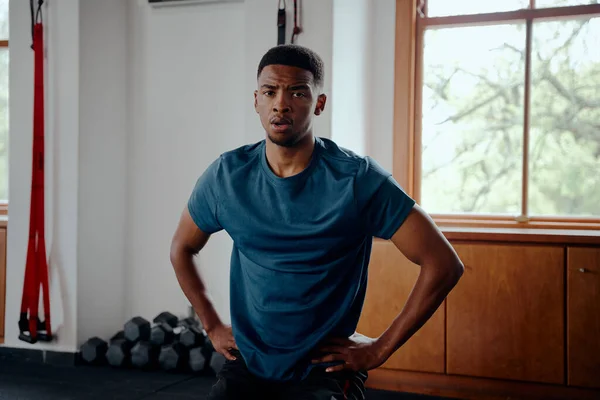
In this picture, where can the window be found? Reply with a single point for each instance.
(507, 111)
(3, 106)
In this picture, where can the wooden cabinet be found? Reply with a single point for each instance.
(523, 322)
(391, 278)
(505, 317)
(2, 281)
(583, 311)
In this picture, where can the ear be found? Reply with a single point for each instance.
(320, 107)
(256, 100)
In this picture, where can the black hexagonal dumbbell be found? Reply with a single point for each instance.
(205, 359)
(118, 353)
(137, 329)
(173, 357)
(145, 355)
(166, 332)
(166, 317)
(192, 337)
(93, 351)
(162, 334)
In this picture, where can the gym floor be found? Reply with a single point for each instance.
(24, 380)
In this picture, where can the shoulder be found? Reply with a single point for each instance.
(233, 160)
(348, 161)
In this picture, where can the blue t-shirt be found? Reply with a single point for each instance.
(301, 247)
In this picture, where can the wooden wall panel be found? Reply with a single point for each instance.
(2, 281)
(391, 278)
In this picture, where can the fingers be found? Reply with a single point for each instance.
(329, 358)
(231, 346)
(228, 355)
(334, 349)
(340, 341)
(337, 368)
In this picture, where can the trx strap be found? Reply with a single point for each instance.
(281, 22)
(31, 328)
(296, 27)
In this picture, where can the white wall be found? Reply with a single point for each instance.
(363, 77)
(188, 99)
(197, 77)
(380, 113)
(128, 139)
(103, 113)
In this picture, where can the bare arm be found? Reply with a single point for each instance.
(423, 244)
(187, 242)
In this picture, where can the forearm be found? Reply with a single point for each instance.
(194, 289)
(429, 291)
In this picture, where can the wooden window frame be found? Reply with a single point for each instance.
(410, 27)
(4, 203)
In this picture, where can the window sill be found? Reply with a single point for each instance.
(523, 235)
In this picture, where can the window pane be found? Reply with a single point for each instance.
(565, 119)
(473, 119)
(3, 124)
(562, 3)
(3, 19)
(439, 8)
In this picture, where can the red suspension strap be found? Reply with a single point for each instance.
(281, 22)
(31, 328)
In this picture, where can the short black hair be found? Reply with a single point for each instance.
(295, 56)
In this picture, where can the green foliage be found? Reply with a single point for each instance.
(4, 111)
(473, 119)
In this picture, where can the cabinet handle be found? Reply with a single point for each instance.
(582, 270)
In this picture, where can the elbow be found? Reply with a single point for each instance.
(176, 253)
(458, 270)
(454, 271)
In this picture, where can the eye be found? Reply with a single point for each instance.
(298, 94)
(269, 93)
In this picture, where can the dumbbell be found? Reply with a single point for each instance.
(166, 317)
(93, 351)
(173, 357)
(205, 359)
(119, 351)
(187, 331)
(145, 353)
(137, 329)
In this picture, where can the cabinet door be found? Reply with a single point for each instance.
(2, 281)
(391, 278)
(583, 316)
(506, 315)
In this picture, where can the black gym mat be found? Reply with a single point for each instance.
(34, 381)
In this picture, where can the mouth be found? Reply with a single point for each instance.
(281, 124)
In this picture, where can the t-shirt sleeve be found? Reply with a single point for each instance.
(382, 203)
(203, 203)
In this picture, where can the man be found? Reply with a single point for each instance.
(302, 213)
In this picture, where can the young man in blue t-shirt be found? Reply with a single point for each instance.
(302, 213)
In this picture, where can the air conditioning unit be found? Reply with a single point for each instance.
(171, 3)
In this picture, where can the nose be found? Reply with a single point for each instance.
(281, 105)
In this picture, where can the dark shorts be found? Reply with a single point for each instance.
(236, 382)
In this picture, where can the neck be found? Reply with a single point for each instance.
(289, 161)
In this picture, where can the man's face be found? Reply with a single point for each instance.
(286, 100)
